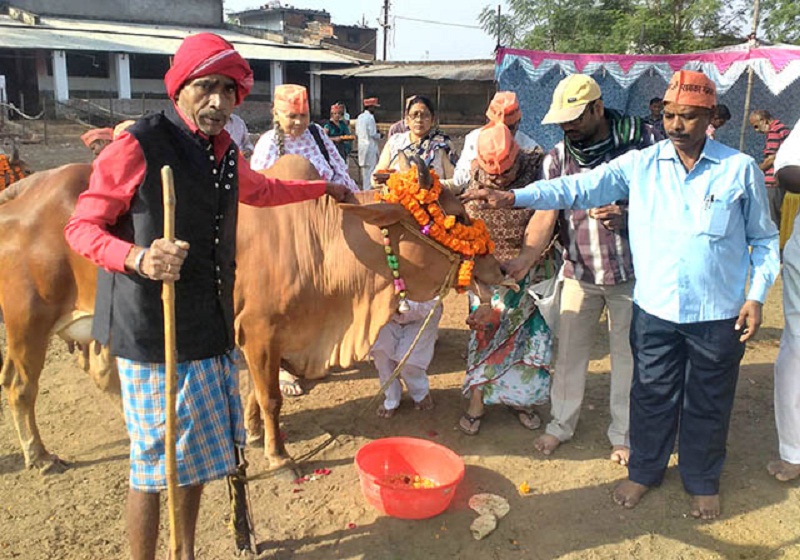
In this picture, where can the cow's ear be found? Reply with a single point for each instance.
(380, 215)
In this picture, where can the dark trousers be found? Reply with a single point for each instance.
(684, 378)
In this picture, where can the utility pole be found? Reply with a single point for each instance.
(498, 29)
(385, 26)
(753, 42)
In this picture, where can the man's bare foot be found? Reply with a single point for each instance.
(384, 412)
(546, 444)
(628, 493)
(620, 454)
(783, 470)
(425, 404)
(705, 507)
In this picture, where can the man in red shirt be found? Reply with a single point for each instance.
(776, 132)
(118, 224)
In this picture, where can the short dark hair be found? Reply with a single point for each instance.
(762, 114)
(722, 112)
(420, 99)
(654, 100)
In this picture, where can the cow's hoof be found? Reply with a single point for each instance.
(283, 468)
(49, 464)
(255, 440)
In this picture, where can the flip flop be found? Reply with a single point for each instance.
(291, 388)
(529, 419)
(386, 413)
(473, 421)
(425, 404)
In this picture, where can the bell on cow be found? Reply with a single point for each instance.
(403, 307)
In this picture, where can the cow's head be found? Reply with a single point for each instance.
(423, 265)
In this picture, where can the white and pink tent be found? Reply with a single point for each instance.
(630, 81)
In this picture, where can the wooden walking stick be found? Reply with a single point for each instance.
(170, 358)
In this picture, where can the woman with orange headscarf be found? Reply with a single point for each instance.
(293, 133)
(510, 348)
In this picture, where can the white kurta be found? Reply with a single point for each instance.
(266, 154)
(237, 128)
(787, 365)
(470, 152)
(393, 342)
(368, 136)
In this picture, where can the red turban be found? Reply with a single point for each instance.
(95, 134)
(205, 54)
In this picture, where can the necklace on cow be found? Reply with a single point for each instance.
(394, 266)
(466, 240)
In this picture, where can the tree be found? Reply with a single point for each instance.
(780, 21)
(638, 26)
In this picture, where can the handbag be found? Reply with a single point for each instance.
(547, 294)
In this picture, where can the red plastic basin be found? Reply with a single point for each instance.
(383, 458)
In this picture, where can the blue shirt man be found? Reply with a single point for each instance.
(699, 224)
(689, 231)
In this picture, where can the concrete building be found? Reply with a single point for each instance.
(54, 53)
(459, 89)
(309, 26)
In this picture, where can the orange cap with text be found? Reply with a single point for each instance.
(504, 108)
(497, 149)
(688, 87)
(291, 98)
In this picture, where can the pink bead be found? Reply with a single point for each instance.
(399, 284)
(387, 241)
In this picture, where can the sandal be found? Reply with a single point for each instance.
(385, 413)
(289, 384)
(425, 404)
(528, 418)
(473, 424)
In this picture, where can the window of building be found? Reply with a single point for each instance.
(149, 66)
(88, 64)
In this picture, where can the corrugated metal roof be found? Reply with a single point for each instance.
(477, 70)
(89, 35)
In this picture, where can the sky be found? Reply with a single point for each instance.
(408, 40)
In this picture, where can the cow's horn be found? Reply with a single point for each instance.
(402, 162)
(424, 173)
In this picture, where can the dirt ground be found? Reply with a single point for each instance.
(568, 515)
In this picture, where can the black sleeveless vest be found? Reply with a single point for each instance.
(128, 308)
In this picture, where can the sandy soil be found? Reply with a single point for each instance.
(569, 514)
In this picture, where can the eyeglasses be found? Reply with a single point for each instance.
(421, 116)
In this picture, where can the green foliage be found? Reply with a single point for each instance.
(780, 21)
(637, 26)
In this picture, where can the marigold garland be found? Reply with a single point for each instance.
(10, 173)
(468, 241)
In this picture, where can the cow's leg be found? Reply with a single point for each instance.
(253, 421)
(27, 346)
(264, 363)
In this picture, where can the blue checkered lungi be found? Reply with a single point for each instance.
(209, 420)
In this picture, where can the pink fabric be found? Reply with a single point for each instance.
(779, 58)
(205, 54)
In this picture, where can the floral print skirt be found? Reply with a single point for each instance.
(510, 360)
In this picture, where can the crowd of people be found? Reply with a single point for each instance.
(651, 219)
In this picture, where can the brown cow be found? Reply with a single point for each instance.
(312, 287)
(42, 287)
